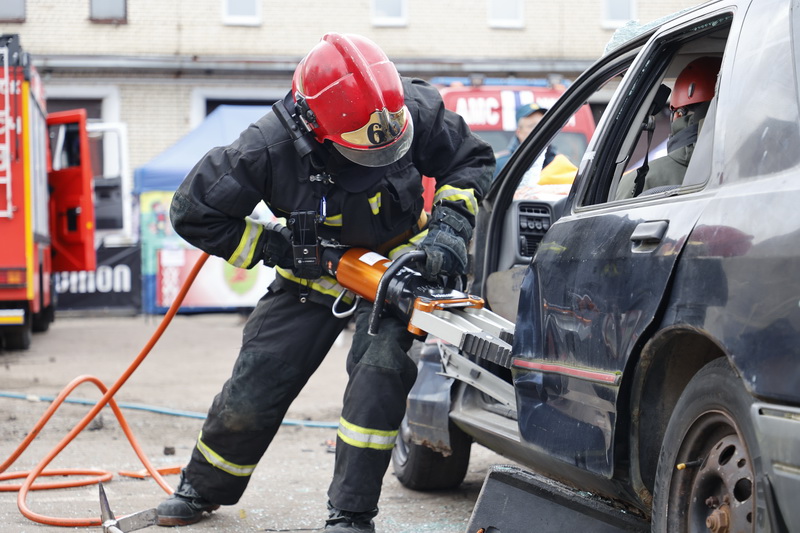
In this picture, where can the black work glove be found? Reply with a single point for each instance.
(445, 245)
(277, 246)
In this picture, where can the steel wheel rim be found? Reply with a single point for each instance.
(717, 488)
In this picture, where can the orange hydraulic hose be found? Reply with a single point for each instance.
(108, 398)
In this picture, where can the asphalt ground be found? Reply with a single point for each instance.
(164, 402)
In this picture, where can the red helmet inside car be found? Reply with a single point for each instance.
(350, 93)
(696, 83)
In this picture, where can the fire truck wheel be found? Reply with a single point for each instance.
(419, 467)
(41, 321)
(18, 337)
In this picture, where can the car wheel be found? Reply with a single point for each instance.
(706, 478)
(418, 467)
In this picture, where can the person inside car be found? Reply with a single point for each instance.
(691, 96)
(528, 116)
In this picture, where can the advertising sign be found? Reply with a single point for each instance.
(115, 284)
(218, 284)
(167, 261)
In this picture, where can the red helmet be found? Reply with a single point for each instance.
(696, 82)
(351, 94)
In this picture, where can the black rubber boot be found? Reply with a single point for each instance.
(340, 521)
(184, 507)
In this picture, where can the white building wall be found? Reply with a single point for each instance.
(436, 28)
(160, 108)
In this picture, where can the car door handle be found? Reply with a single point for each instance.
(648, 234)
(651, 231)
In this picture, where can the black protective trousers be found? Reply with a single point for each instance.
(284, 342)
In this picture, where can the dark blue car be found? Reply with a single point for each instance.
(655, 360)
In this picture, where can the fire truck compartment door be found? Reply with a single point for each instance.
(71, 194)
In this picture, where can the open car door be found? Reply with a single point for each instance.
(601, 274)
(71, 194)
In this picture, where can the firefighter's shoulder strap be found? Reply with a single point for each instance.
(303, 140)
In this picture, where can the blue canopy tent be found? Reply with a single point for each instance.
(167, 170)
(157, 180)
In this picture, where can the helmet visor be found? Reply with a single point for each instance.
(383, 155)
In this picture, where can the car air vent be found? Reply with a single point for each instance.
(528, 244)
(540, 210)
(534, 221)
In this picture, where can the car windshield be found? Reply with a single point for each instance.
(634, 29)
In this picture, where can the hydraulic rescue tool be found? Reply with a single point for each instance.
(453, 316)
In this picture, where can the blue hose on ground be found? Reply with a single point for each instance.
(160, 410)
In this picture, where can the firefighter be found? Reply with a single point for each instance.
(373, 135)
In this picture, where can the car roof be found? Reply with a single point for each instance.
(635, 31)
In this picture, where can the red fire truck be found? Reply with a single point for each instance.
(46, 207)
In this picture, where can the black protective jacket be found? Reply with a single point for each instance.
(362, 207)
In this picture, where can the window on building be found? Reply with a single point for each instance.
(389, 12)
(213, 103)
(618, 12)
(108, 11)
(241, 12)
(506, 14)
(12, 11)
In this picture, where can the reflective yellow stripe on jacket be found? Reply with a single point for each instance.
(454, 194)
(218, 461)
(375, 204)
(326, 284)
(335, 221)
(243, 255)
(409, 246)
(359, 437)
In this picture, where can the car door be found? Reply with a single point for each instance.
(601, 272)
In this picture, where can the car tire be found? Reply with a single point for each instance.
(706, 474)
(419, 467)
